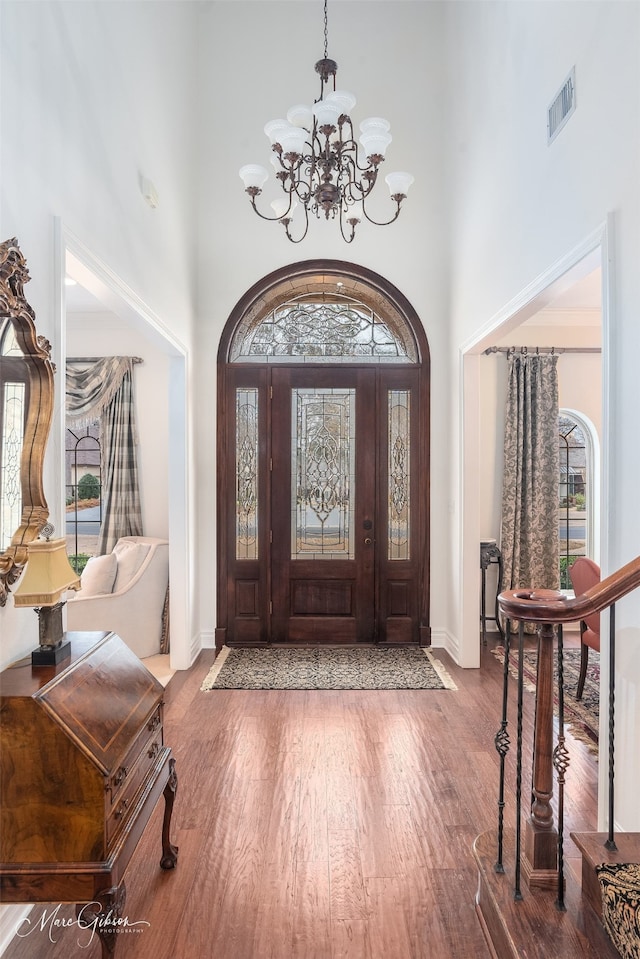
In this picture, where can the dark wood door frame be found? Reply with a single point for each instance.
(267, 294)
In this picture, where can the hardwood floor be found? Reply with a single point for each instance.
(323, 825)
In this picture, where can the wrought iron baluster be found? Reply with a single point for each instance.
(561, 763)
(611, 843)
(502, 746)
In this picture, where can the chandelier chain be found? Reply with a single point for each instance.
(326, 31)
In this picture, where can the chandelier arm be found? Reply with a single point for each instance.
(370, 175)
(286, 223)
(352, 148)
(347, 239)
(301, 187)
(270, 218)
(355, 188)
(343, 121)
(399, 197)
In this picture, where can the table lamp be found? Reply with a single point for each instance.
(48, 575)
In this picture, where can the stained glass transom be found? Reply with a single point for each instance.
(13, 401)
(399, 473)
(337, 331)
(246, 474)
(323, 473)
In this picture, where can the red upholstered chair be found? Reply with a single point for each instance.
(584, 574)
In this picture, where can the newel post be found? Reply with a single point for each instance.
(540, 859)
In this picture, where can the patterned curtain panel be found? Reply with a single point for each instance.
(529, 534)
(104, 389)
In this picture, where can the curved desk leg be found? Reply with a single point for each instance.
(169, 851)
(101, 917)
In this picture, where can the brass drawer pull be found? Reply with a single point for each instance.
(122, 808)
(154, 749)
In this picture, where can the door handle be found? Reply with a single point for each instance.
(368, 541)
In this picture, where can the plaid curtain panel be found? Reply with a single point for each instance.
(104, 390)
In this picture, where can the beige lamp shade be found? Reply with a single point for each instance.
(48, 575)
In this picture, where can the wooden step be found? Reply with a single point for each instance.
(534, 928)
(594, 853)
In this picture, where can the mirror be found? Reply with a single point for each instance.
(26, 408)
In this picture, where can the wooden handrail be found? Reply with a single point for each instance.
(551, 606)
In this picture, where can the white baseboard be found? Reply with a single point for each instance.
(10, 918)
(443, 639)
(207, 639)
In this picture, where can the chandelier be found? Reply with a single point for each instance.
(319, 164)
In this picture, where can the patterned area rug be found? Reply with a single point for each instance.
(328, 667)
(620, 886)
(581, 717)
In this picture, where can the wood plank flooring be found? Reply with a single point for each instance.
(323, 824)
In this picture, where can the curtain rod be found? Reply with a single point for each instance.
(94, 359)
(542, 349)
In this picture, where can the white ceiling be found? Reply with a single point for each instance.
(79, 300)
(583, 295)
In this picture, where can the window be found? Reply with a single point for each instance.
(83, 467)
(334, 329)
(575, 492)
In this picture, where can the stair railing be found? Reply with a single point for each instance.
(542, 860)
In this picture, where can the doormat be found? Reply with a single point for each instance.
(581, 717)
(328, 667)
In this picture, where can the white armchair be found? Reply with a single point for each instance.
(125, 591)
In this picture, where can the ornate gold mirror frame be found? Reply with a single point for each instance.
(36, 353)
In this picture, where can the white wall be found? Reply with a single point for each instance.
(518, 207)
(94, 95)
(248, 83)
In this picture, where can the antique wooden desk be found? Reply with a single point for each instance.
(83, 763)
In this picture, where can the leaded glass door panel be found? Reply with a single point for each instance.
(323, 494)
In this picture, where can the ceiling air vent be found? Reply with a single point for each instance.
(562, 106)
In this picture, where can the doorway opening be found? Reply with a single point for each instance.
(101, 314)
(323, 441)
(555, 300)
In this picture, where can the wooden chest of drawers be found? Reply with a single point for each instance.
(82, 765)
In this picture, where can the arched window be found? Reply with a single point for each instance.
(322, 327)
(83, 467)
(576, 488)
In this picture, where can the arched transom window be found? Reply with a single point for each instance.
(322, 328)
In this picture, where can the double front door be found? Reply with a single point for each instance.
(324, 505)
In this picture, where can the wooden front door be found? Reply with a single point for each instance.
(324, 505)
(325, 543)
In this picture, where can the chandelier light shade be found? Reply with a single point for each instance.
(320, 165)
